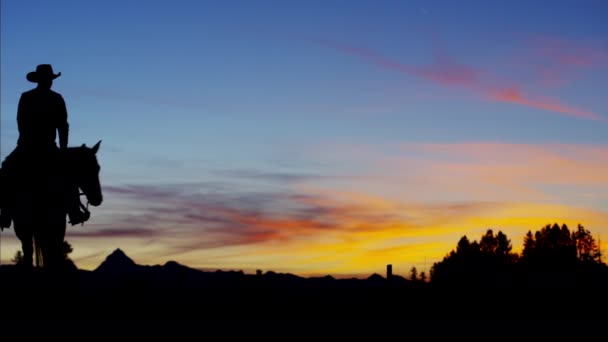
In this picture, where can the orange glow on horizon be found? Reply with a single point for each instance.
(363, 248)
(409, 210)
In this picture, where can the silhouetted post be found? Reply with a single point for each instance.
(389, 272)
(258, 273)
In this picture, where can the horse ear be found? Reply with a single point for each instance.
(96, 147)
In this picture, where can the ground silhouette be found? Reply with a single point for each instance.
(121, 298)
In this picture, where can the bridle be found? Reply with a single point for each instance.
(84, 208)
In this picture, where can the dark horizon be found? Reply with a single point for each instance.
(124, 299)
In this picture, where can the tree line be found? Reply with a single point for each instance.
(551, 256)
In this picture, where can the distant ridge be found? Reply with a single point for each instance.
(117, 262)
(119, 269)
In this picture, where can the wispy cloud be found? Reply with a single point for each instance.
(410, 209)
(568, 53)
(408, 205)
(283, 177)
(332, 231)
(479, 171)
(130, 231)
(556, 61)
(446, 72)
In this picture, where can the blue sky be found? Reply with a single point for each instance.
(287, 111)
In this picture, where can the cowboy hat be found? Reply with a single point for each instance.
(43, 72)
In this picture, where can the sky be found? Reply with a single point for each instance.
(320, 137)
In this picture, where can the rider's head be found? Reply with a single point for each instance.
(43, 75)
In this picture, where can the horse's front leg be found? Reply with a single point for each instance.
(27, 244)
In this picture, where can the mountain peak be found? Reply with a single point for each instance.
(118, 252)
(117, 261)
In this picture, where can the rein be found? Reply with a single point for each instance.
(84, 208)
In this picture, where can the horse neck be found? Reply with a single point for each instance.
(69, 167)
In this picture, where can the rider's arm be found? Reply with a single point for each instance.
(63, 127)
(21, 113)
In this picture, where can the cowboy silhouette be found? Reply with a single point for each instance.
(41, 117)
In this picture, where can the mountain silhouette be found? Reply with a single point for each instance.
(118, 270)
(117, 262)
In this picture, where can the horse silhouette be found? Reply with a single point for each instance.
(41, 201)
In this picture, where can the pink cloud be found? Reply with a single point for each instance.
(504, 172)
(445, 72)
(558, 61)
(479, 171)
(514, 95)
(565, 52)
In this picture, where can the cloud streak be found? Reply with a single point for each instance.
(342, 236)
(314, 225)
(417, 198)
(445, 72)
(478, 171)
(566, 53)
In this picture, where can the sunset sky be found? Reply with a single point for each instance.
(321, 136)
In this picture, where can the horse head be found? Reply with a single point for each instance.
(87, 170)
